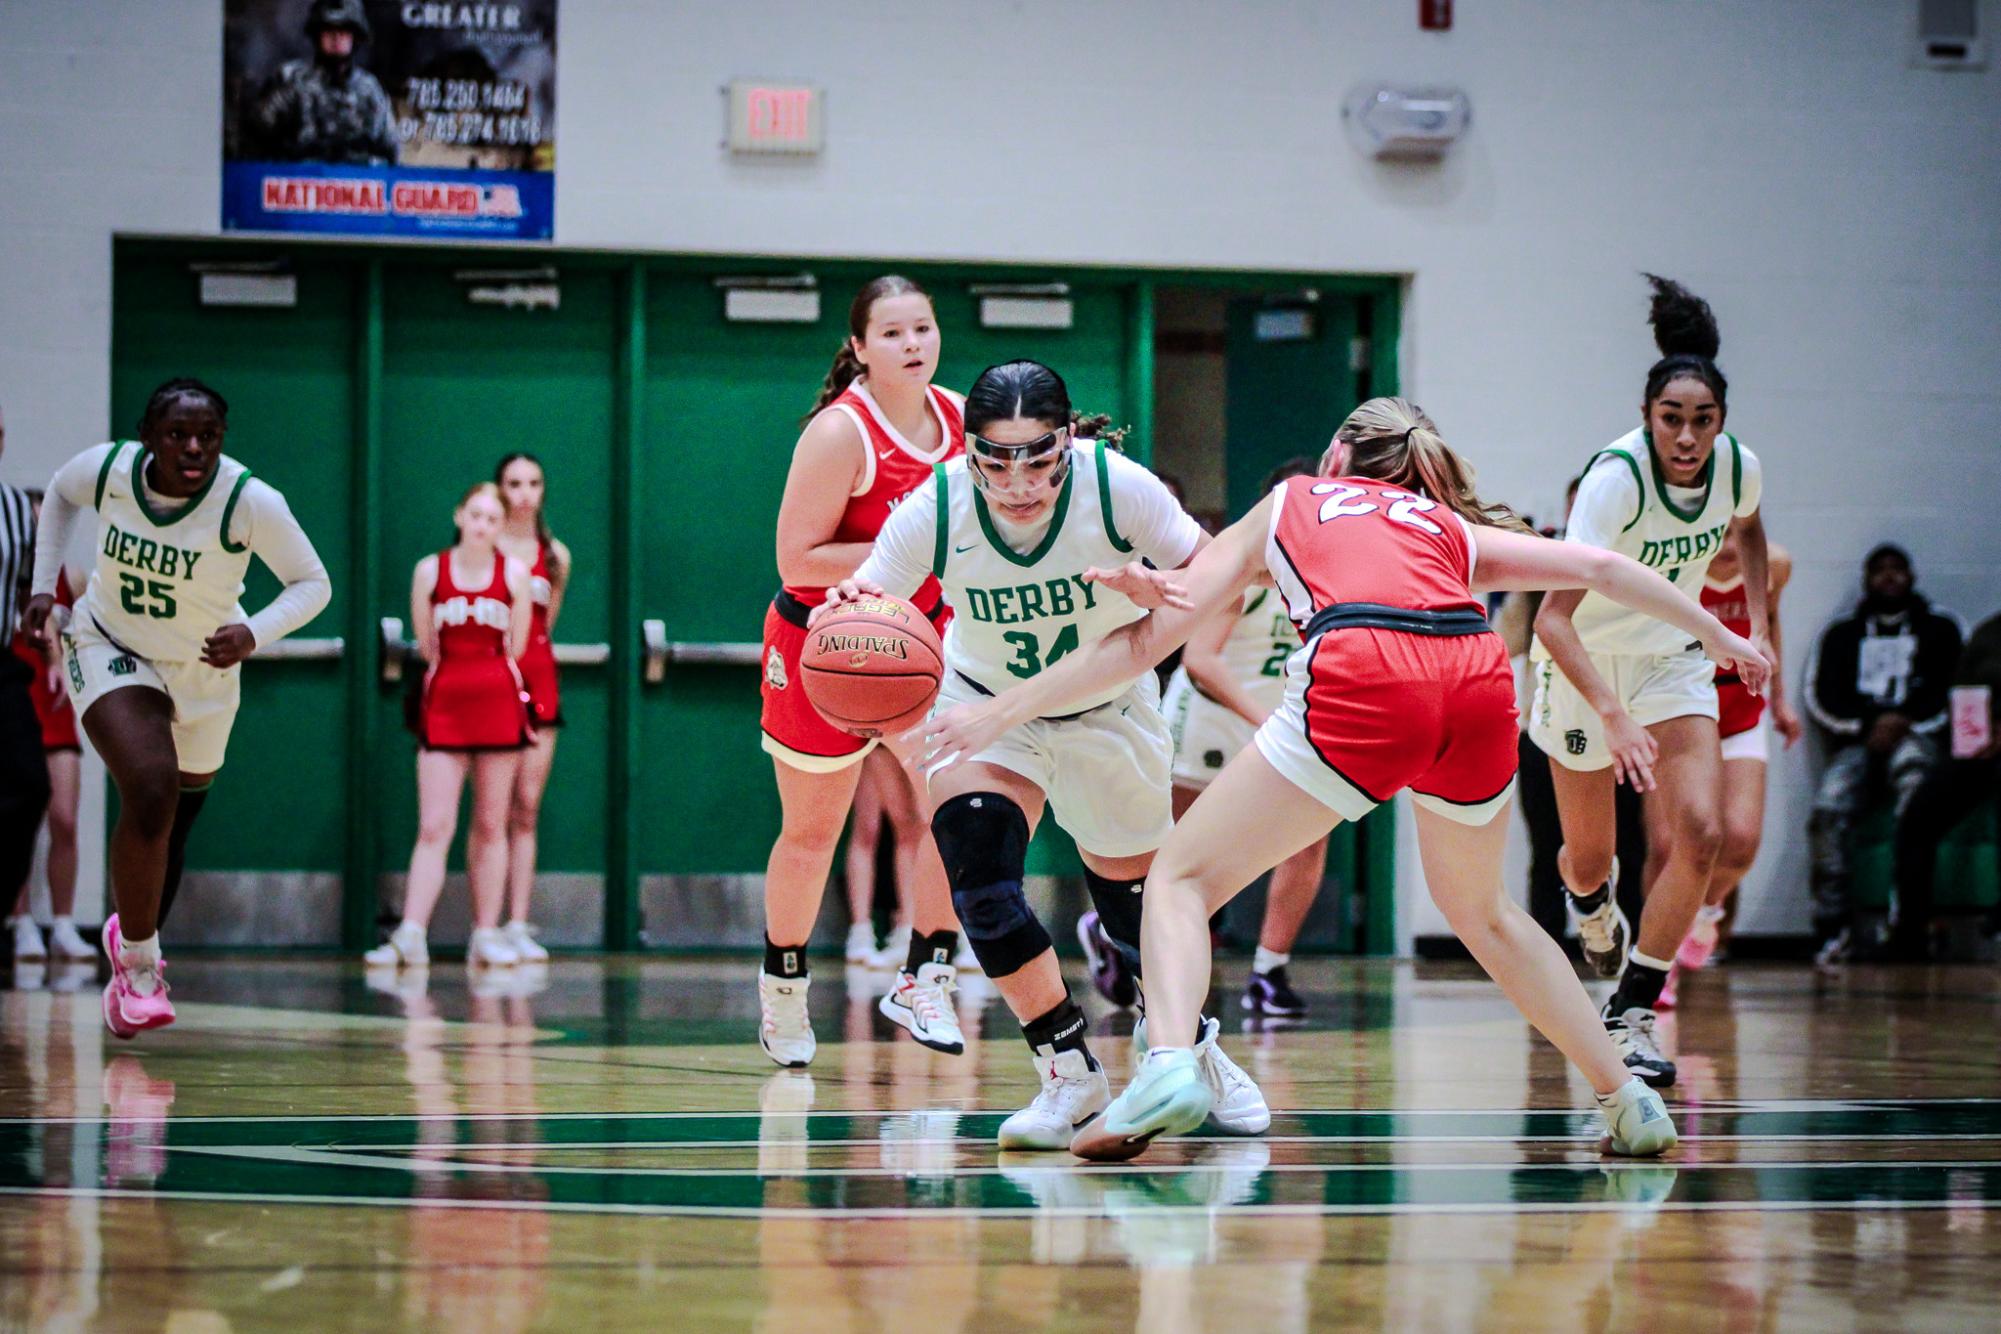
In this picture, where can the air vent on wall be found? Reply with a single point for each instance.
(1949, 35)
(268, 282)
(771, 298)
(1024, 305)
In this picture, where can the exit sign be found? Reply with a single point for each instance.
(769, 117)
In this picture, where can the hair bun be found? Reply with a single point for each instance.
(1684, 325)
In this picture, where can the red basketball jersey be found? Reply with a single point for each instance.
(1728, 604)
(1347, 540)
(471, 623)
(1738, 710)
(892, 469)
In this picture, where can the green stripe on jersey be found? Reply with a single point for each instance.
(158, 519)
(1661, 483)
(104, 473)
(944, 521)
(1639, 482)
(1118, 542)
(229, 510)
(995, 540)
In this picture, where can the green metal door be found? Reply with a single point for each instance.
(266, 862)
(720, 408)
(465, 381)
(1296, 367)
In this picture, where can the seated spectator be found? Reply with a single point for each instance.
(1878, 683)
(1952, 792)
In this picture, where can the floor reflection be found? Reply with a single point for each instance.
(603, 1139)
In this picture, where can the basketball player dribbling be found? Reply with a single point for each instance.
(1037, 536)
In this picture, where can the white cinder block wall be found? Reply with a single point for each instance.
(1840, 208)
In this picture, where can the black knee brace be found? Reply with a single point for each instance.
(983, 840)
(1118, 905)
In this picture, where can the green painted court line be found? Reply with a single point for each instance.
(1057, 1163)
(857, 1214)
(1902, 1120)
(1754, 1107)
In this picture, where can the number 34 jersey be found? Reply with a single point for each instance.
(1020, 605)
(168, 571)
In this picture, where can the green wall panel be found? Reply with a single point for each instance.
(287, 376)
(716, 408)
(464, 384)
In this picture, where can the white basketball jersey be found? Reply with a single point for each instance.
(1261, 639)
(1678, 537)
(167, 576)
(1013, 612)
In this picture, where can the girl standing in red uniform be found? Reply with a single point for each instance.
(63, 752)
(878, 429)
(1745, 727)
(470, 608)
(525, 537)
(1399, 684)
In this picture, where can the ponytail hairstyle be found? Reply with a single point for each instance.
(185, 386)
(1392, 440)
(1031, 390)
(1685, 332)
(847, 367)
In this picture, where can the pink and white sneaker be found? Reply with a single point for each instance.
(136, 998)
(1701, 940)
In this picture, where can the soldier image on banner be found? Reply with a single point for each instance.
(390, 116)
(326, 108)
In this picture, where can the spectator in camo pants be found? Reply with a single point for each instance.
(1878, 684)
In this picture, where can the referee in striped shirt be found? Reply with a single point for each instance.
(24, 773)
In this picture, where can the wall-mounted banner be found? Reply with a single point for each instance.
(390, 117)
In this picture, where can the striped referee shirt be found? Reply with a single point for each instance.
(17, 553)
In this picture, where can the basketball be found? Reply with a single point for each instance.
(872, 667)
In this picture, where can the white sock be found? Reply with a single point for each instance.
(1710, 912)
(141, 958)
(62, 919)
(1265, 961)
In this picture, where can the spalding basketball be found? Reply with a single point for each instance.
(872, 666)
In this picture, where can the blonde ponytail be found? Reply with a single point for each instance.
(1392, 440)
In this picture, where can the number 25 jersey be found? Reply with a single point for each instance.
(167, 574)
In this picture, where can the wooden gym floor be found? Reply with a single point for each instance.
(603, 1145)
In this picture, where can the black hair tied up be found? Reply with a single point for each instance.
(1031, 390)
(185, 386)
(1685, 331)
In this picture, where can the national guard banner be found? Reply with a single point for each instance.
(390, 117)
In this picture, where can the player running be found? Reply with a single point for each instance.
(1399, 684)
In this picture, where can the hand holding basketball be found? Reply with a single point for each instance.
(847, 591)
(872, 663)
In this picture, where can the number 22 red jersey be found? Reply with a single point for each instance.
(1412, 554)
(1401, 684)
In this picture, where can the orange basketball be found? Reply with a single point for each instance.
(872, 667)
